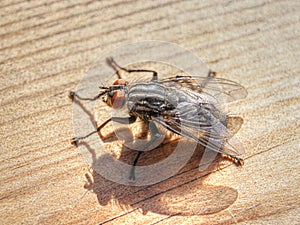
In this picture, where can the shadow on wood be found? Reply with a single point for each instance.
(184, 193)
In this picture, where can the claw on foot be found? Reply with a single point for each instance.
(132, 174)
(74, 141)
(72, 95)
(236, 160)
(212, 74)
(239, 161)
(109, 60)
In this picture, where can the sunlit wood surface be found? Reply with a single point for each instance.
(46, 46)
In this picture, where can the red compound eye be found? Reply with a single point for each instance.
(118, 99)
(120, 82)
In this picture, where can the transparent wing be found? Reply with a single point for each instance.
(213, 134)
(215, 87)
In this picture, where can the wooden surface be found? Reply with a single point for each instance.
(46, 46)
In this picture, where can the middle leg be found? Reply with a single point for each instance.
(155, 134)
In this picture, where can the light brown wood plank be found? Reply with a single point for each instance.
(47, 46)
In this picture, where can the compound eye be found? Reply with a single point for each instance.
(118, 99)
(120, 82)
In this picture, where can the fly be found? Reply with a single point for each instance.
(181, 104)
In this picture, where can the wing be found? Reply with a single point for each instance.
(215, 87)
(210, 131)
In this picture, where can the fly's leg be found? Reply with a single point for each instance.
(178, 77)
(132, 171)
(211, 74)
(236, 160)
(73, 95)
(122, 120)
(117, 68)
(155, 134)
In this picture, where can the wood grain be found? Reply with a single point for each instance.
(46, 46)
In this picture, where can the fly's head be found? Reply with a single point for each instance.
(115, 95)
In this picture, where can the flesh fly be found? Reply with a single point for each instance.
(184, 105)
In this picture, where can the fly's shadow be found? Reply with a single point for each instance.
(183, 193)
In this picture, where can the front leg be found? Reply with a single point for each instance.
(127, 120)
